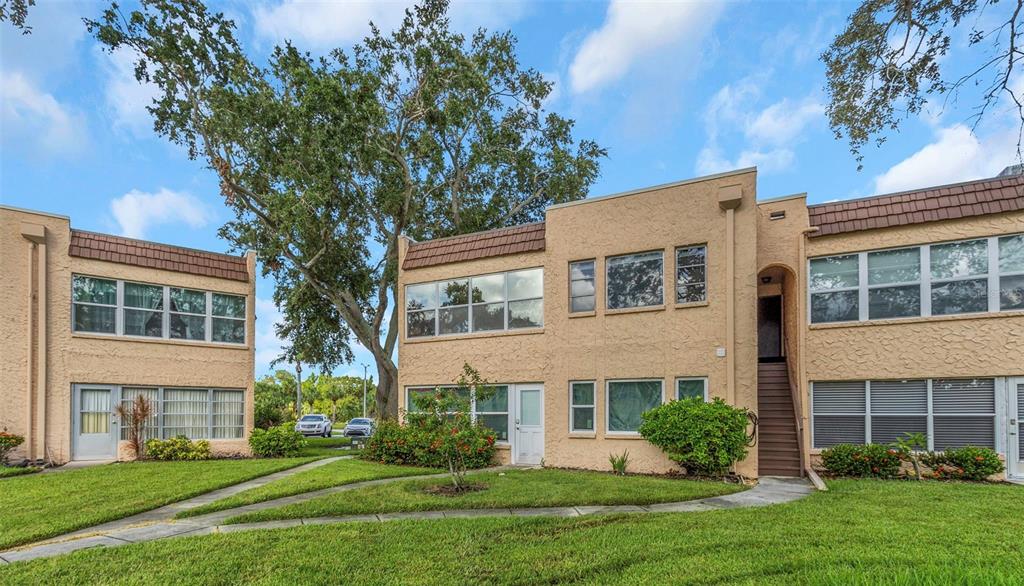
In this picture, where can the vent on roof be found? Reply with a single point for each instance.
(777, 215)
(1012, 170)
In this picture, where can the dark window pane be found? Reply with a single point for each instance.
(94, 290)
(691, 293)
(583, 419)
(1011, 293)
(143, 296)
(836, 306)
(488, 317)
(894, 302)
(454, 292)
(420, 323)
(960, 297)
(138, 322)
(526, 314)
(228, 305)
(635, 280)
(188, 301)
(583, 303)
(627, 402)
(694, 255)
(188, 327)
(92, 318)
(453, 320)
(583, 393)
(689, 388)
(228, 330)
(497, 423)
(496, 402)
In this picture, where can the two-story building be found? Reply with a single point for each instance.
(853, 321)
(89, 320)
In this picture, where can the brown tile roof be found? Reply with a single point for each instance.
(141, 253)
(947, 202)
(512, 240)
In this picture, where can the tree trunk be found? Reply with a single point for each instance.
(387, 389)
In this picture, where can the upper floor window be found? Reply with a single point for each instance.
(635, 280)
(582, 286)
(476, 304)
(970, 276)
(125, 308)
(691, 274)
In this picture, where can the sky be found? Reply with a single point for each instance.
(673, 90)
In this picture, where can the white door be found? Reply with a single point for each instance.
(1015, 428)
(528, 444)
(93, 424)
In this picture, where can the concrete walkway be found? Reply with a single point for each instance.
(160, 523)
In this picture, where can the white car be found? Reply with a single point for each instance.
(314, 425)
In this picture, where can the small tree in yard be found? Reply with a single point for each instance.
(908, 445)
(133, 418)
(704, 438)
(447, 411)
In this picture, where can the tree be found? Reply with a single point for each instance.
(889, 61)
(134, 417)
(16, 11)
(326, 162)
(274, 399)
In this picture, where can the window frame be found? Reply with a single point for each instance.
(592, 406)
(992, 277)
(677, 266)
(608, 408)
(608, 281)
(703, 379)
(473, 413)
(160, 431)
(165, 311)
(592, 261)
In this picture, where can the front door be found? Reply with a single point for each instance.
(93, 422)
(1015, 429)
(528, 443)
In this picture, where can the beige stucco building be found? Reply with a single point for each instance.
(852, 321)
(88, 320)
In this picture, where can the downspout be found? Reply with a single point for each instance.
(36, 388)
(801, 344)
(30, 444)
(42, 360)
(729, 199)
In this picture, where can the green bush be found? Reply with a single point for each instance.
(277, 442)
(177, 448)
(857, 460)
(8, 441)
(966, 463)
(706, 438)
(419, 443)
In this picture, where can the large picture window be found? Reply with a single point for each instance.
(191, 412)
(627, 400)
(502, 301)
(691, 274)
(951, 413)
(491, 411)
(970, 276)
(635, 280)
(127, 308)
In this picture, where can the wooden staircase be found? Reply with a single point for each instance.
(778, 448)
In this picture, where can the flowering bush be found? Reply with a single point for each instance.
(705, 438)
(277, 442)
(967, 463)
(868, 460)
(177, 448)
(8, 441)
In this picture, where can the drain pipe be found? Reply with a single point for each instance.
(729, 199)
(35, 406)
(801, 343)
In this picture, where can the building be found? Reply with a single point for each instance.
(88, 320)
(852, 321)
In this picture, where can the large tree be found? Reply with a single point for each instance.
(16, 11)
(892, 59)
(327, 161)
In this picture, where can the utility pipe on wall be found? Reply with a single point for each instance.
(729, 199)
(35, 406)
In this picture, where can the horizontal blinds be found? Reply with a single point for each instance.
(838, 397)
(972, 395)
(885, 429)
(909, 396)
(152, 428)
(957, 432)
(1020, 414)
(830, 430)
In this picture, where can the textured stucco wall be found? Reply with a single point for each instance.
(87, 358)
(666, 342)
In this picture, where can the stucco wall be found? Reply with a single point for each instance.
(665, 342)
(88, 358)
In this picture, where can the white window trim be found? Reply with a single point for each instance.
(675, 280)
(703, 379)
(165, 312)
(607, 406)
(592, 406)
(608, 281)
(592, 261)
(993, 277)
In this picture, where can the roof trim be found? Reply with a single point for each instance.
(474, 234)
(640, 190)
(907, 191)
(782, 198)
(36, 212)
(142, 241)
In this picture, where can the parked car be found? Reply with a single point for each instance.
(359, 427)
(314, 425)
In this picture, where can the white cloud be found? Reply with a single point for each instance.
(956, 154)
(31, 117)
(783, 121)
(125, 96)
(711, 160)
(633, 31)
(268, 345)
(137, 211)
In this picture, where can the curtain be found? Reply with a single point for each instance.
(95, 410)
(152, 429)
(627, 401)
(228, 414)
(186, 412)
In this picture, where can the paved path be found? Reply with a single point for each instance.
(160, 523)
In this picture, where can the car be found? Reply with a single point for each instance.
(314, 424)
(359, 427)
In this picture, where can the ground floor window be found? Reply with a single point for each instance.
(491, 411)
(581, 406)
(692, 387)
(195, 413)
(951, 413)
(627, 400)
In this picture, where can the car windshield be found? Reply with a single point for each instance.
(310, 418)
(359, 422)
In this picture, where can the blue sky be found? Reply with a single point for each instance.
(672, 90)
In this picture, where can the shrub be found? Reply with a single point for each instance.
(277, 442)
(867, 460)
(705, 438)
(619, 463)
(966, 463)
(8, 441)
(418, 443)
(177, 448)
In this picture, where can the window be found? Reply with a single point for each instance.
(582, 286)
(691, 274)
(635, 280)
(581, 406)
(156, 311)
(971, 276)
(194, 413)
(491, 411)
(478, 304)
(688, 388)
(628, 400)
(950, 412)
(94, 305)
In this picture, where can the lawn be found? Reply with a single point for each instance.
(327, 446)
(860, 532)
(10, 471)
(333, 474)
(514, 488)
(44, 505)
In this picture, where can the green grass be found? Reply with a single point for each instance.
(860, 532)
(515, 488)
(44, 505)
(327, 446)
(333, 474)
(10, 471)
